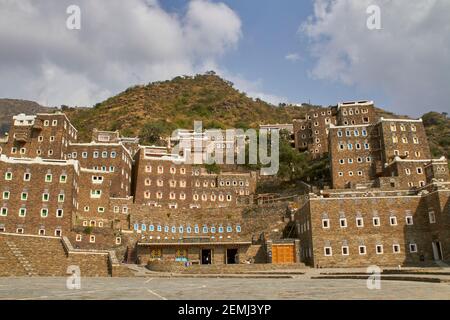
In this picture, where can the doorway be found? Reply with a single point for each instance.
(232, 256)
(437, 250)
(206, 256)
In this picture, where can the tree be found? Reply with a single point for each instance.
(151, 133)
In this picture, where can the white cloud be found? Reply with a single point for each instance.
(408, 60)
(292, 57)
(120, 43)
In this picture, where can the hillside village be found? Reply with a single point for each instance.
(357, 186)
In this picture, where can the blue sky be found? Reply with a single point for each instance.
(403, 65)
(270, 32)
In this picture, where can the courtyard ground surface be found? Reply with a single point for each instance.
(297, 287)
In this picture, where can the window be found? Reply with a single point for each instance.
(345, 251)
(105, 154)
(416, 140)
(19, 230)
(419, 170)
(6, 195)
(376, 221)
(54, 123)
(27, 177)
(118, 240)
(160, 169)
(48, 178)
(393, 221)
(78, 238)
(22, 212)
(238, 229)
(44, 213)
(325, 223)
(359, 222)
(96, 193)
(97, 179)
(113, 154)
(396, 248)
(431, 217)
(92, 239)
(24, 196)
(362, 250)
(52, 138)
(84, 155)
(96, 154)
(409, 220)
(63, 178)
(327, 251)
(59, 213)
(61, 197)
(412, 248)
(8, 176)
(379, 249)
(4, 212)
(343, 222)
(408, 171)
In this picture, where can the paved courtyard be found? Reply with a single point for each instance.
(213, 288)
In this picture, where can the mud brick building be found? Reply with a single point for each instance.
(43, 135)
(311, 133)
(165, 180)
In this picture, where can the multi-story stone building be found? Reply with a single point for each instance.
(311, 133)
(162, 179)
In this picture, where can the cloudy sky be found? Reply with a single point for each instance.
(281, 51)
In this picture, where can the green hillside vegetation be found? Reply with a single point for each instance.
(437, 126)
(161, 107)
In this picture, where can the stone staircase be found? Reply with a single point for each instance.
(257, 252)
(23, 261)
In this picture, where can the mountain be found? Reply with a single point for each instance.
(12, 107)
(176, 103)
(437, 126)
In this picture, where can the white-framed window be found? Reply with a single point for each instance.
(101, 209)
(343, 222)
(44, 212)
(376, 221)
(359, 222)
(396, 248)
(8, 176)
(326, 223)
(92, 239)
(97, 179)
(393, 220)
(84, 155)
(379, 249)
(96, 194)
(54, 123)
(409, 220)
(105, 154)
(62, 178)
(118, 240)
(362, 250)
(59, 213)
(432, 217)
(61, 197)
(22, 212)
(24, 196)
(48, 177)
(78, 238)
(327, 251)
(27, 176)
(19, 230)
(95, 155)
(160, 169)
(6, 195)
(419, 170)
(412, 248)
(345, 250)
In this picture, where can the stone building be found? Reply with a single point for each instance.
(162, 179)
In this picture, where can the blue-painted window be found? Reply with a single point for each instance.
(151, 228)
(229, 229)
(136, 226)
(144, 227)
(159, 228)
(220, 229)
(205, 229)
(213, 229)
(238, 228)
